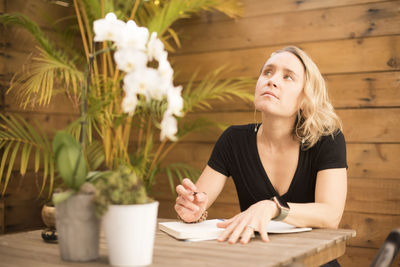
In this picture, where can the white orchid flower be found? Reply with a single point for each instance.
(134, 37)
(166, 71)
(129, 104)
(175, 101)
(169, 127)
(108, 29)
(144, 81)
(155, 48)
(130, 60)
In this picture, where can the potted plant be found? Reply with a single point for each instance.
(130, 220)
(76, 221)
(130, 217)
(57, 68)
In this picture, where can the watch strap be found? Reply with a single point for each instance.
(283, 212)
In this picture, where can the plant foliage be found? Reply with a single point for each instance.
(57, 67)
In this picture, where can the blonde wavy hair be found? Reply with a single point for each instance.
(316, 116)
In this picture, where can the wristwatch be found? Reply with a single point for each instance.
(283, 208)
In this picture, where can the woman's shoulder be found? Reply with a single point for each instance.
(332, 140)
(240, 129)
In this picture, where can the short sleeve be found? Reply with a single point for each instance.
(332, 152)
(220, 159)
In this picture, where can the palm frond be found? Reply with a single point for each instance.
(212, 87)
(198, 124)
(36, 85)
(32, 27)
(94, 154)
(15, 132)
(160, 17)
(231, 8)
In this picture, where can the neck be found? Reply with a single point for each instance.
(276, 132)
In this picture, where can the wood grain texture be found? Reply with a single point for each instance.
(332, 57)
(357, 257)
(43, 13)
(380, 196)
(2, 215)
(364, 90)
(360, 257)
(372, 229)
(318, 246)
(295, 27)
(254, 8)
(379, 89)
(359, 125)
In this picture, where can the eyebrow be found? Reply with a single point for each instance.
(285, 69)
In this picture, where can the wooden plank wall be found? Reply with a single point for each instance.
(20, 208)
(356, 44)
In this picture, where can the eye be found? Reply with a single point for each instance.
(267, 72)
(288, 77)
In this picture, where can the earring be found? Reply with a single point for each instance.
(255, 121)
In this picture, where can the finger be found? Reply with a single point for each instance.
(184, 193)
(262, 229)
(188, 184)
(201, 197)
(237, 233)
(247, 234)
(225, 234)
(187, 204)
(226, 223)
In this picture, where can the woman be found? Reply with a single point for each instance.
(291, 167)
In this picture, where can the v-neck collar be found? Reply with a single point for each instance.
(271, 187)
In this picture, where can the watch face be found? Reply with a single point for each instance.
(282, 202)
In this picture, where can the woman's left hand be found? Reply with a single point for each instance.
(255, 218)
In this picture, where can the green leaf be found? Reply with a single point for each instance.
(26, 151)
(10, 165)
(29, 25)
(37, 159)
(213, 87)
(3, 160)
(45, 172)
(69, 160)
(60, 197)
(171, 181)
(95, 155)
(51, 167)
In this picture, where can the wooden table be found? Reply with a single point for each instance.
(309, 248)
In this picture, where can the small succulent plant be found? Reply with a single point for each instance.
(119, 187)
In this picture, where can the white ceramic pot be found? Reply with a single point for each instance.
(130, 232)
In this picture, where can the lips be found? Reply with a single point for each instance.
(270, 94)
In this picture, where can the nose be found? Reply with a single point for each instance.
(271, 82)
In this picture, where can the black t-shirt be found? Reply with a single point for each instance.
(235, 154)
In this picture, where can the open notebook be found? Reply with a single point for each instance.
(208, 229)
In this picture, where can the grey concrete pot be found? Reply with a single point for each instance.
(78, 228)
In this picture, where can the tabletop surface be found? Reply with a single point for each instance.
(308, 248)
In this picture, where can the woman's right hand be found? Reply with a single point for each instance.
(190, 204)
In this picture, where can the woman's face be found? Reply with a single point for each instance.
(279, 88)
